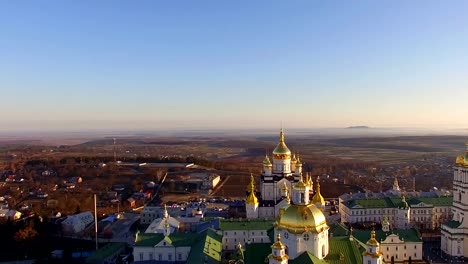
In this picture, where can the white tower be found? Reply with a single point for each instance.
(293, 163)
(281, 157)
(403, 215)
(373, 255)
(454, 233)
(251, 203)
(278, 252)
(301, 193)
(267, 166)
(298, 168)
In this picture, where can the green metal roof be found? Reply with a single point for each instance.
(183, 239)
(388, 202)
(343, 250)
(227, 225)
(208, 242)
(108, 250)
(307, 258)
(338, 229)
(373, 202)
(435, 201)
(409, 235)
(148, 239)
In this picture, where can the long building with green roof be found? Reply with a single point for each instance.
(427, 210)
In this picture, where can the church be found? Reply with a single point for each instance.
(300, 227)
(277, 178)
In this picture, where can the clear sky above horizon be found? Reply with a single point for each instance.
(233, 64)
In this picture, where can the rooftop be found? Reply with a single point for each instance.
(245, 225)
(343, 250)
(105, 252)
(410, 235)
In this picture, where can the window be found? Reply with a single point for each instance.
(306, 237)
(160, 256)
(151, 255)
(180, 256)
(169, 257)
(141, 255)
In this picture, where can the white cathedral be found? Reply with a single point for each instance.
(276, 180)
(300, 225)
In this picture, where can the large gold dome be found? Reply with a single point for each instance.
(302, 218)
(281, 151)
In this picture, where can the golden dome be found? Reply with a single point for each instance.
(266, 162)
(281, 151)
(251, 198)
(278, 244)
(372, 241)
(318, 198)
(460, 160)
(302, 218)
(294, 160)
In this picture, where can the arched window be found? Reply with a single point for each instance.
(323, 251)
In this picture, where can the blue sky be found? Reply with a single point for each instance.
(233, 64)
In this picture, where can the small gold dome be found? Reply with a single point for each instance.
(278, 244)
(302, 218)
(266, 162)
(293, 159)
(251, 199)
(281, 151)
(372, 241)
(318, 198)
(460, 160)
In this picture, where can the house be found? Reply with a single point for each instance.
(13, 215)
(74, 224)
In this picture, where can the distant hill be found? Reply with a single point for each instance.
(360, 127)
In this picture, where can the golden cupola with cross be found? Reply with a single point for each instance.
(281, 151)
(251, 203)
(318, 199)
